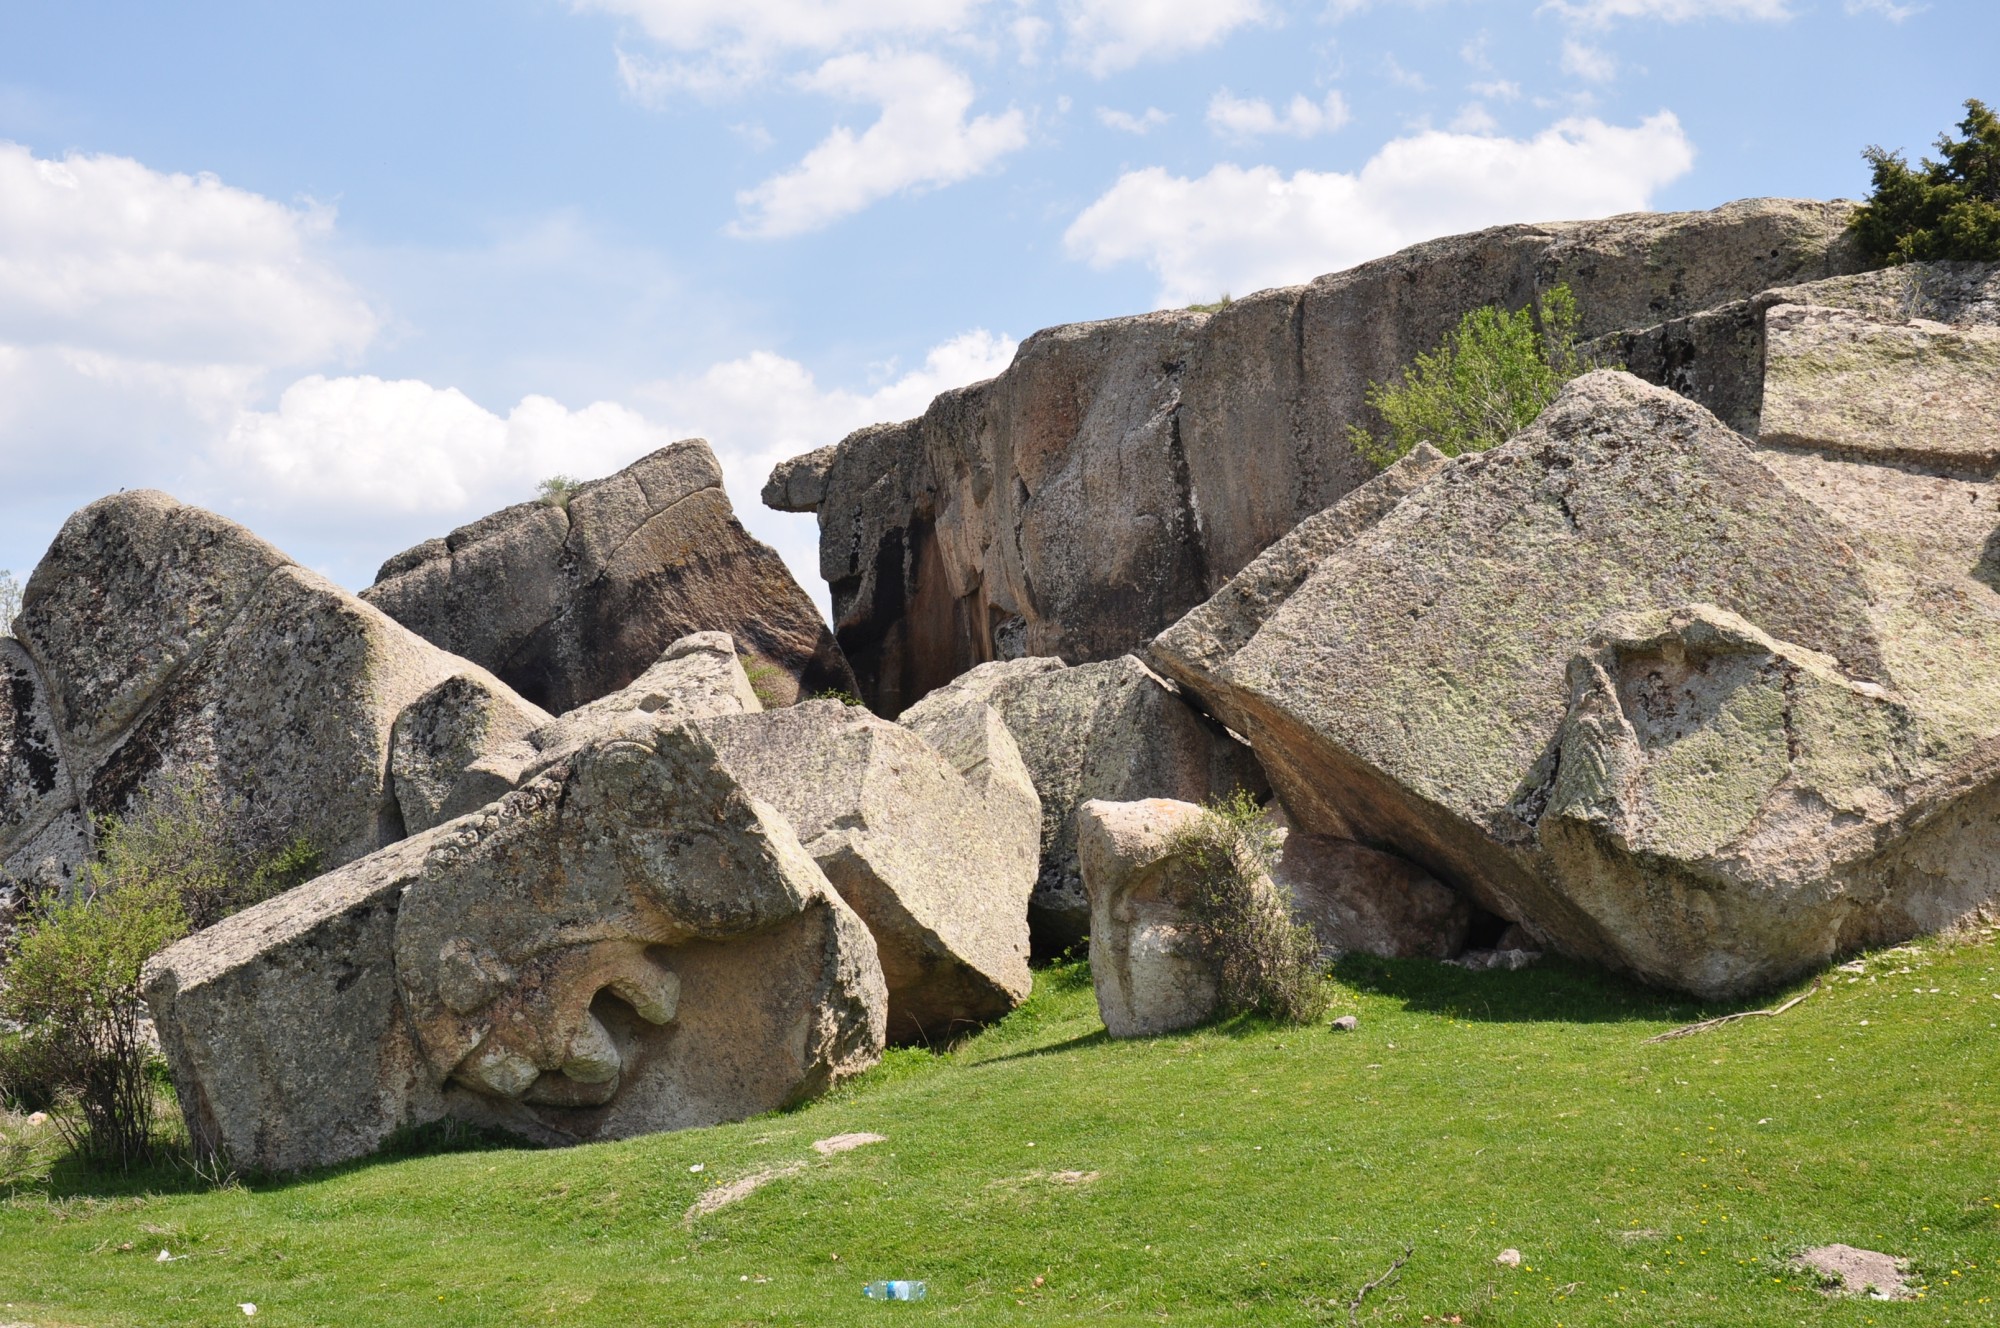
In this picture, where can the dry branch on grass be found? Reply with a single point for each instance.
(1689, 1030)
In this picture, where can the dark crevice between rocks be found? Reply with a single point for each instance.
(1191, 539)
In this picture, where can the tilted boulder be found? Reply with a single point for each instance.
(1118, 473)
(628, 943)
(164, 639)
(1146, 962)
(1789, 757)
(1113, 731)
(568, 602)
(939, 871)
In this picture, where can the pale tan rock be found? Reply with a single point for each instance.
(912, 846)
(1113, 731)
(1784, 756)
(1360, 900)
(628, 943)
(569, 603)
(1149, 970)
(1119, 473)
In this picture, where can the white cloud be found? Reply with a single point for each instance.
(923, 139)
(1254, 117)
(1109, 35)
(1499, 89)
(693, 25)
(1241, 229)
(1404, 78)
(1126, 122)
(1474, 118)
(1888, 9)
(1593, 64)
(1602, 12)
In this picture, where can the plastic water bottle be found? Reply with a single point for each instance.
(894, 1290)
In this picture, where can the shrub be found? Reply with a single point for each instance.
(71, 979)
(1242, 919)
(846, 698)
(1485, 382)
(767, 680)
(1945, 209)
(557, 490)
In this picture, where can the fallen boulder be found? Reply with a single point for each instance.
(939, 872)
(1149, 969)
(570, 601)
(1626, 683)
(628, 943)
(1112, 731)
(1360, 900)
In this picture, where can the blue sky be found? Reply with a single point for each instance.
(355, 273)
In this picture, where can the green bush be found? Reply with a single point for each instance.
(1945, 209)
(1242, 920)
(70, 981)
(1485, 382)
(557, 490)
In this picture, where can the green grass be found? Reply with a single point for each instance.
(1245, 1174)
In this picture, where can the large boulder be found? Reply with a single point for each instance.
(570, 601)
(41, 826)
(938, 870)
(1112, 731)
(1360, 900)
(628, 943)
(156, 639)
(1119, 473)
(1149, 969)
(1678, 705)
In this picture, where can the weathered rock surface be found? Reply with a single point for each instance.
(157, 638)
(568, 603)
(939, 871)
(1678, 709)
(1112, 731)
(40, 826)
(1360, 900)
(628, 943)
(454, 749)
(1150, 973)
(1118, 473)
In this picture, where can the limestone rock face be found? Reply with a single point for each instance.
(1150, 975)
(1119, 473)
(1447, 665)
(570, 603)
(1112, 731)
(164, 638)
(940, 873)
(628, 943)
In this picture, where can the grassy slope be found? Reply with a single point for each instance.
(1245, 1174)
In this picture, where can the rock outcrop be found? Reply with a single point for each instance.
(1119, 473)
(568, 602)
(939, 871)
(1705, 712)
(1112, 731)
(1149, 970)
(628, 943)
(156, 638)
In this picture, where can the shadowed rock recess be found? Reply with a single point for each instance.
(568, 602)
(1119, 473)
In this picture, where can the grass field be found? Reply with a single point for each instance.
(1245, 1174)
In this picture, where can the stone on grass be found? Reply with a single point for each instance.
(571, 601)
(1845, 1270)
(1360, 900)
(628, 943)
(939, 871)
(1145, 961)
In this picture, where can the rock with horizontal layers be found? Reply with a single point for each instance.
(628, 943)
(1119, 473)
(1783, 755)
(1112, 731)
(166, 640)
(1150, 972)
(568, 602)
(940, 873)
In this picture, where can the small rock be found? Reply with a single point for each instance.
(39, 1118)
(1508, 1258)
(1347, 1023)
(847, 1143)
(1846, 1271)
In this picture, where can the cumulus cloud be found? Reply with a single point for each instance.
(922, 139)
(1603, 12)
(1244, 228)
(1254, 117)
(1126, 122)
(1109, 35)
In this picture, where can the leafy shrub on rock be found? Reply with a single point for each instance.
(1264, 961)
(1486, 381)
(70, 981)
(1941, 210)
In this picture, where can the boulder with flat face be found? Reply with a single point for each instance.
(1677, 704)
(938, 870)
(1151, 973)
(568, 602)
(628, 943)
(1112, 731)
